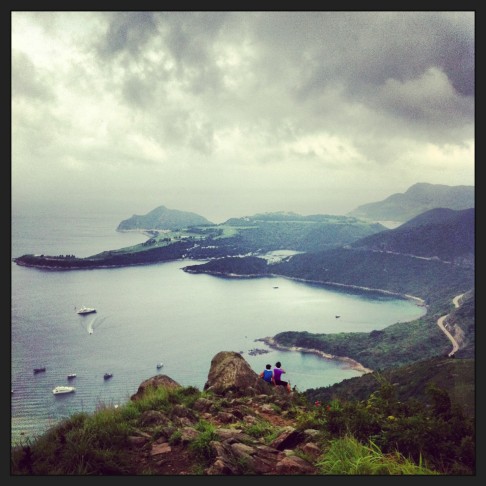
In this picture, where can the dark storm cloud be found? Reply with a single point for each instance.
(380, 60)
(362, 50)
(309, 103)
(182, 42)
(127, 31)
(189, 36)
(137, 92)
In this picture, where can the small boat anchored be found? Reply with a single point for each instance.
(71, 376)
(39, 370)
(86, 310)
(60, 390)
(107, 376)
(159, 365)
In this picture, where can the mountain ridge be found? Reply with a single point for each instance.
(415, 200)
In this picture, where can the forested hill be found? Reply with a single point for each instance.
(429, 279)
(162, 218)
(445, 234)
(238, 236)
(431, 257)
(416, 200)
(274, 231)
(410, 382)
(396, 345)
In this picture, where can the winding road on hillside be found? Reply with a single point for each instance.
(441, 321)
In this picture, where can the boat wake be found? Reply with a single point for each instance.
(94, 324)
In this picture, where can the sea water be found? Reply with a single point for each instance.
(154, 313)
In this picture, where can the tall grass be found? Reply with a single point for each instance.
(347, 456)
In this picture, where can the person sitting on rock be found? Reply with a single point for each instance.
(267, 374)
(278, 371)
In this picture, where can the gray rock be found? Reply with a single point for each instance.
(158, 381)
(231, 375)
(294, 465)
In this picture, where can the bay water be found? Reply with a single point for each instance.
(154, 313)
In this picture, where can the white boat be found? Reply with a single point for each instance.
(59, 390)
(86, 310)
(159, 365)
(71, 376)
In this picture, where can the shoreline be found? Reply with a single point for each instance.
(352, 364)
(417, 300)
(420, 302)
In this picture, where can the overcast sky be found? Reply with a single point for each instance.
(233, 113)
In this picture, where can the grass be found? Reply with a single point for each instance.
(201, 445)
(262, 429)
(101, 443)
(87, 444)
(347, 456)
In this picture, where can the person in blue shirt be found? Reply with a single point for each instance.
(267, 374)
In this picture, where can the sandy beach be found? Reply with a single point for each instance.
(351, 363)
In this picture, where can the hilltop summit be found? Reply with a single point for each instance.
(162, 218)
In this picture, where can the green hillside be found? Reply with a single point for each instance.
(457, 376)
(439, 233)
(162, 218)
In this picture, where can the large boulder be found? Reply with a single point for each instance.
(231, 373)
(158, 381)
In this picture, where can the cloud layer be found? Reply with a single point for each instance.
(230, 113)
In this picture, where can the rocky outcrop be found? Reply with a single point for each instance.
(238, 398)
(157, 381)
(230, 373)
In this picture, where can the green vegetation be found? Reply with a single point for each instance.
(243, 267)
(348, 456)
(440, 233)
(380, 435)
(457, 376)
(163, 218)
(413, 415)
(203, 241)
(399, 274)
(396, 345)
(201, 445)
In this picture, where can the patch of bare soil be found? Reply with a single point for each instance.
(176, 460)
